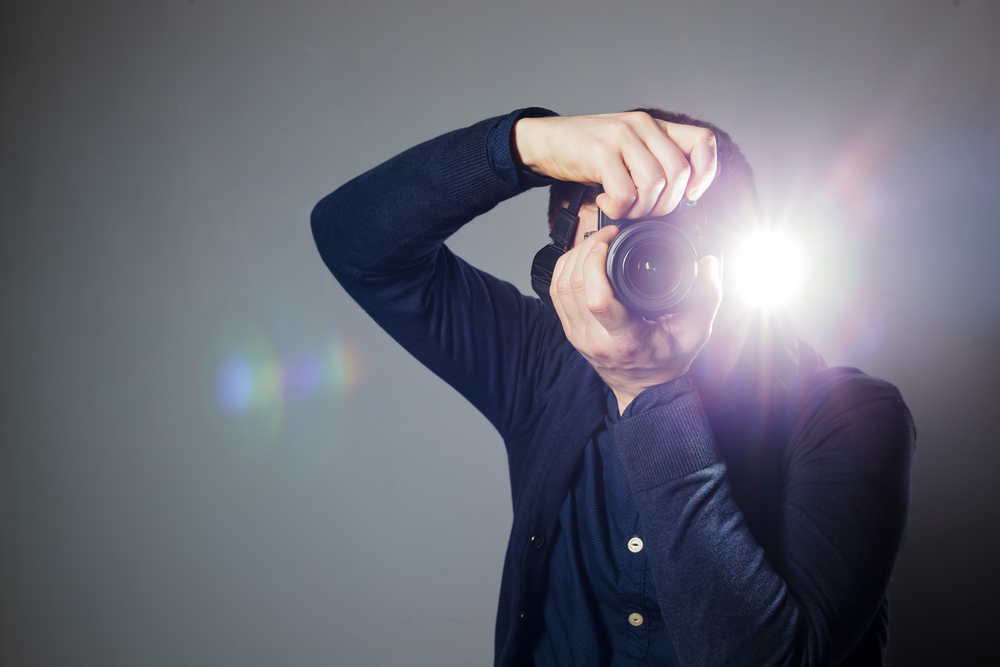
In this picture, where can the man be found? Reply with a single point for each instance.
(697, 489)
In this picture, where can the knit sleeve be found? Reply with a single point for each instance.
(842, 515)
(382, 236)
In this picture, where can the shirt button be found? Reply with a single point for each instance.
(635, 545)
(635, 619)
(537, 541)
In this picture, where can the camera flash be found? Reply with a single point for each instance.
(767, 269)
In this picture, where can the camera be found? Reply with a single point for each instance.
(652, 263)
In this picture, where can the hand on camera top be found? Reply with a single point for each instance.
(645, 166)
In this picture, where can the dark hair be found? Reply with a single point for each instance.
(731, 199)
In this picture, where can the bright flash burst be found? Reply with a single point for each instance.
(768, 269)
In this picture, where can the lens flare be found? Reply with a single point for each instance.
(768, 269)
(247, 380)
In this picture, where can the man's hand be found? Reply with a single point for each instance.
(644, 164)
(629, 352)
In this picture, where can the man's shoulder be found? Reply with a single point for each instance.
(838, 389)
(845, 403)
(846, 386)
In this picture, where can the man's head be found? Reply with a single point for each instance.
(730, 202)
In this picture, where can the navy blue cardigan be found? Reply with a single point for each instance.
(772, 516)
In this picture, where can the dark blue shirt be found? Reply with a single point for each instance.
(600, 606)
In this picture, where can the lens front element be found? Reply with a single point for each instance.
(651, 266)
(653, 269)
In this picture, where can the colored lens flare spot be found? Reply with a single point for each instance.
(245, 382)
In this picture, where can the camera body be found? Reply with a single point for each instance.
(652, 263)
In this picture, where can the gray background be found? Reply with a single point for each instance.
(159, 163)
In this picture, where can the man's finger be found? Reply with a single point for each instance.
(650, 175)
(699, 145)
(557, 293)
(577, 279)
(674, 164)
(700, 305)
(600, 298)
(619, 190)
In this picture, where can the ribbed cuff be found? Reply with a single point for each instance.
(500, 151)
(664, 436)
(478, 166)
(465, 167)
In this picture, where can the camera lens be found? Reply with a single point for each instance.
(652, 269)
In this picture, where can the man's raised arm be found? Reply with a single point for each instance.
(382, 236)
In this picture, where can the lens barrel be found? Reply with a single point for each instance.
(651, 266)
